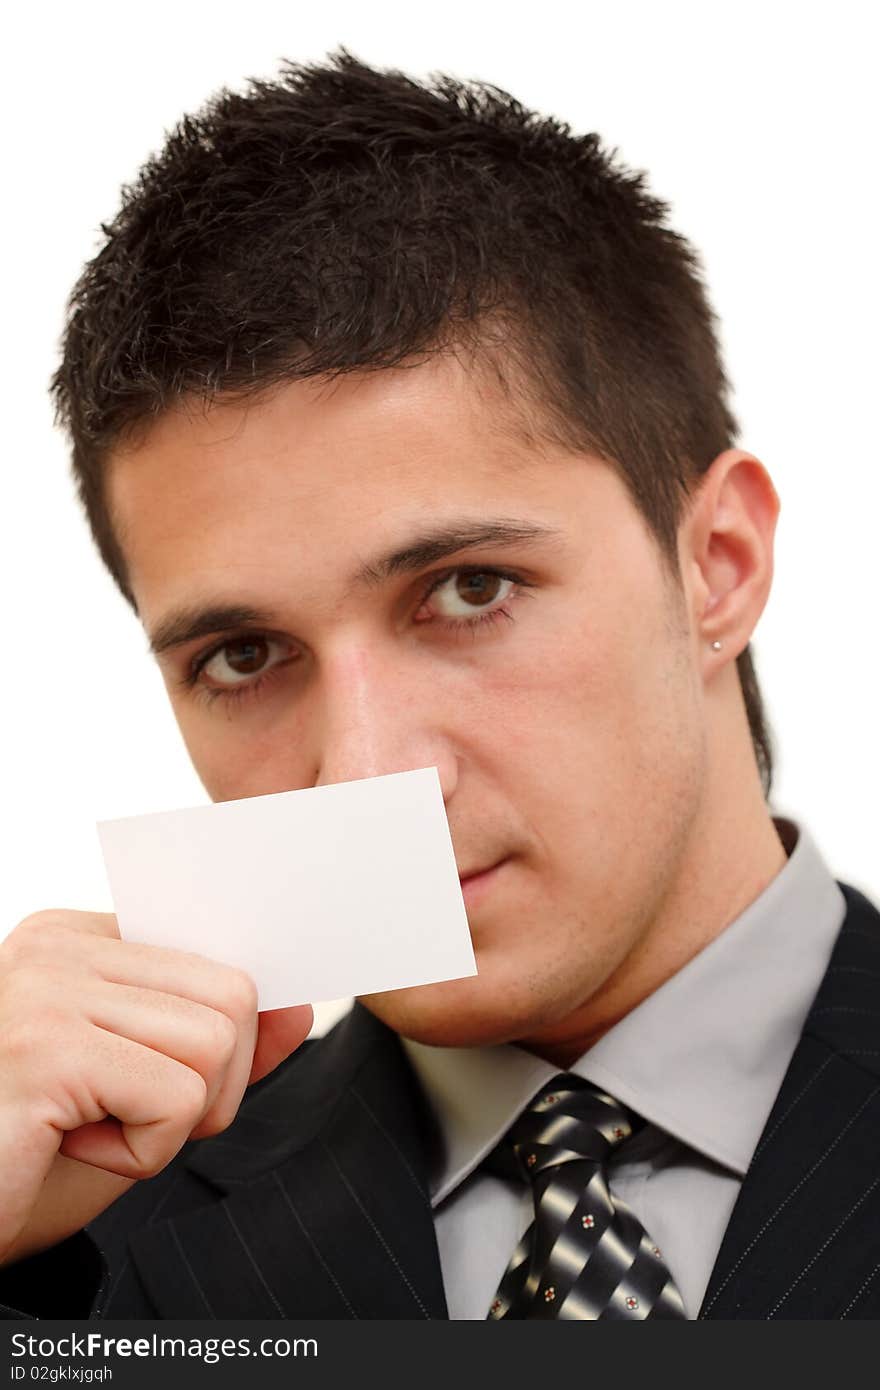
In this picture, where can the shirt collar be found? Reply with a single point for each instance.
(702, 1057)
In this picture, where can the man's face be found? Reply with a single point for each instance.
(525, 641)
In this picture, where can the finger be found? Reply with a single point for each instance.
(184, 973)
(55, 951)
(181, 973)
(202, 1038)
(94, 923)
(71, 919)
(193, 977)
(156, 1100)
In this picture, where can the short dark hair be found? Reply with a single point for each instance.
(341, 218)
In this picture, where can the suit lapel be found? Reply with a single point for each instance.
(325, 1211)
(804, 1237)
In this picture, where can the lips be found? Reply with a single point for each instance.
(471, 873)
(476, 884)
(475, 873)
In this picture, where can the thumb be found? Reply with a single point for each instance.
(280, 1032)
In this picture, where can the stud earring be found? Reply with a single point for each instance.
(716, 645)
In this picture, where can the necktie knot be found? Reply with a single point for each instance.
(568, 1120)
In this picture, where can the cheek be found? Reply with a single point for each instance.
(604, 747)
(573, 692)
(235, 757)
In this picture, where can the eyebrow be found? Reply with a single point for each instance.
(192, 621)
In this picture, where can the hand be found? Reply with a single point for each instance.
(112, 1055)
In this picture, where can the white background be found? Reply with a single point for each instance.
(757, 122)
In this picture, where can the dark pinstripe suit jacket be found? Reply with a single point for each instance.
(314, 1202)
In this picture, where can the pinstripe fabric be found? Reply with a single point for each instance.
(315, 1199)
(804, 1237)
(328, 1218)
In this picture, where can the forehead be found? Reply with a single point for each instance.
(331, 429)
(315, 472)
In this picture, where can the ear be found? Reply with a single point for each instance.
(726, 552)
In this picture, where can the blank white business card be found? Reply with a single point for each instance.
(318, 894)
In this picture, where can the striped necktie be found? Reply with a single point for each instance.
(585, 1255)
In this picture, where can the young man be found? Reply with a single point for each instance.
(398, 418)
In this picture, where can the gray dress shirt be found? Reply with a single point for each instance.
(702, 1059)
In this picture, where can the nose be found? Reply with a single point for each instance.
(380, 715)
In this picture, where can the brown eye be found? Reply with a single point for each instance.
(463, 592)
(478, 588)
(244, 656)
